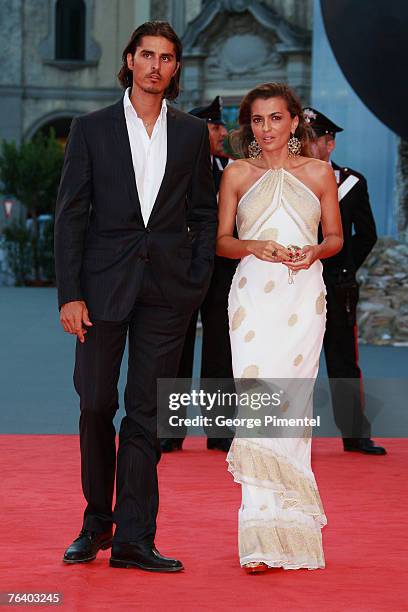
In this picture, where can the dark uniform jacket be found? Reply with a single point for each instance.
(359, 238)
(358, 225)
(224, 267)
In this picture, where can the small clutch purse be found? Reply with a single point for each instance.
(294, 254)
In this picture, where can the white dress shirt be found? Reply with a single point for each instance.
(149, 155)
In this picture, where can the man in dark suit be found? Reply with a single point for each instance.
(216, 349)
(134, 244)
(339, 273)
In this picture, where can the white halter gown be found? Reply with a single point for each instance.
(276, 331)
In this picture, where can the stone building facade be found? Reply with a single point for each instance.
(62, 56)
(37, 87)
(230, 45)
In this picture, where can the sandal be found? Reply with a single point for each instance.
(255, 567)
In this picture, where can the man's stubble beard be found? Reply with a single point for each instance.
(152, 90)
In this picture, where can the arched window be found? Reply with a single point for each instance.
(70, 18)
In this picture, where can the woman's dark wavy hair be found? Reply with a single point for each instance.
(152, 28)
(242, 137)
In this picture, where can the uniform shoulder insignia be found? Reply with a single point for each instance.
(222, 162)
(350, 172)
(347, 185)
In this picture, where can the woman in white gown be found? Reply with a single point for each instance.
(277, 196)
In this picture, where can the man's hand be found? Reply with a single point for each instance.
(73, 317)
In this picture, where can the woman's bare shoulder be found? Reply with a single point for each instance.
(318, 168)
(237, 171)
(238, 165)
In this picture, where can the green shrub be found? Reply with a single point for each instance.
(30, 172)
(17, 241)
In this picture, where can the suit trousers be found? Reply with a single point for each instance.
(346, 386)
(155, 331)
(216, 360)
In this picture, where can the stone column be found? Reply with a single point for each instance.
(177, 16)
(142, 11)
(192, 80)
(11, 75)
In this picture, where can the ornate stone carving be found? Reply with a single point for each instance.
(299, 12)
(192, 9)
(235, 6)
(239, 48)
(159, 10)
(292, 38)
(233, 44)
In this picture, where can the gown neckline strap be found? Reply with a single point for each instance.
(283, 171)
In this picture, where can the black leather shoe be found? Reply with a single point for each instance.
(142, 555)
(87, 544)
(168, 445)
(222, 444)
(363, 445)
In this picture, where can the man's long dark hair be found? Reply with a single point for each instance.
(152, 28)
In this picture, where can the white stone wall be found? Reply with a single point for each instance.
(10, 42)
(39, 88)
(193, 7)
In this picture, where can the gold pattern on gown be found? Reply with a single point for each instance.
(294, 546)
(320, 303)
(251, 371)
(255, 208)
(269, 286)
(281, 514)
(238, 317)
(292, 320)
(249, 336)
(285, 406)
(252, 463)
(269, 234)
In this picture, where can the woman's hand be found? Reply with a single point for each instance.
(307, 256)
(268, 250)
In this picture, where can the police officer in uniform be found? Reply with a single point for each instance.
(339, 273)
(216, 349)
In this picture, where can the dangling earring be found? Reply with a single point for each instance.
(294, 146)
(254, 150)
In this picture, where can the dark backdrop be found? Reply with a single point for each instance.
(369, 40)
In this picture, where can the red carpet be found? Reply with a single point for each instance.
(365, 542)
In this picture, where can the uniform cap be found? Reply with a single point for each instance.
(211, 113)
(320, 124)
